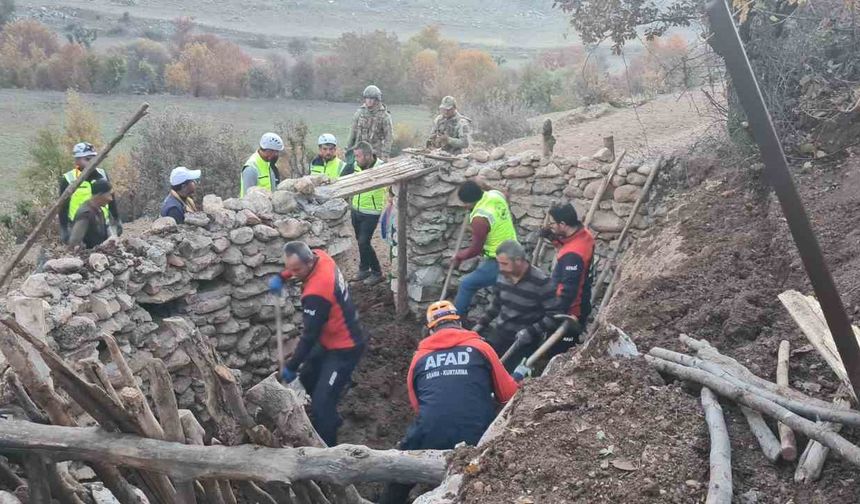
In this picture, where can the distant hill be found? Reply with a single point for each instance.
(520, 23)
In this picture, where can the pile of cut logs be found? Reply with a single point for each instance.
(261, 448)
(794, 411)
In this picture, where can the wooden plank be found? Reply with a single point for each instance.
(807, 314)
(384, 175)
(340, 465)
(595, 203)
(402, 300)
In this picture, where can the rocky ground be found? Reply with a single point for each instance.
(614, 431)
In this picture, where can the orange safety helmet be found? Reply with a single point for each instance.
(439, 312)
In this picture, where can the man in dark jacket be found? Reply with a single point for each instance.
(89, 229)
(183, 183)
(523, 308)
(452, 381)
(572, 274)
(331, 343)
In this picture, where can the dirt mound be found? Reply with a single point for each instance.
(600, 431)
(712, 270)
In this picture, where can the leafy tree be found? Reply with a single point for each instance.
(370, 58)
(621, 21)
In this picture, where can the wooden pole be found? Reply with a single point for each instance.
(37, 479)
(834, 441)
(598, 286)
(537, 253)
(787, 441)
(168, 413)
(807, 409)
(609, 143)
(456, 249)
(43, 224)
(604, 185)
(340, 465)
(402, 301)
(811, 462)
(548, 140)
(720, 485)
(766, 439)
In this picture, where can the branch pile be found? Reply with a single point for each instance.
(793, 411)
(162, 454)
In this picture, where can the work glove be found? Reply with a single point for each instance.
(276, 284)
(287, 375)
(547, 234)
(521, 372)
(524, 337)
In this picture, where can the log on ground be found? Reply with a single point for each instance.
(340, 465)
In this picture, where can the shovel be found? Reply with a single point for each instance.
(570, 322)
(456, 249)
(279, 334)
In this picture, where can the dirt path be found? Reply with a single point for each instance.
(662, 125)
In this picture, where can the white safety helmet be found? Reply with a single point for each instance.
(83, 150)
(327, 138)
(272, 141)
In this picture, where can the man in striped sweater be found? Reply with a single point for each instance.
(524, 304)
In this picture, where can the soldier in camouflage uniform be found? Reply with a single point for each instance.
(451, 130)
(372, 124)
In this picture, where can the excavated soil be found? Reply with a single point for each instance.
(712, 270)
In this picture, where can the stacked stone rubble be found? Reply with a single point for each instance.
(212, 270)
(532, 185)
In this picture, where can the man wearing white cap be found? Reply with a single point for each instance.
(260, 169)
(84, 154)
(183, 183)
(327, 163)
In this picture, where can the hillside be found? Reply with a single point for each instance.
(510, 23)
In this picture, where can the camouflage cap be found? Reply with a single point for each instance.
(448, 103)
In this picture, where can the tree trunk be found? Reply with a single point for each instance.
(341, 465)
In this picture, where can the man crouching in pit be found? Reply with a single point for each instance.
(332, 341)
(451, 383)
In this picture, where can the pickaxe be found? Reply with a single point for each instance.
(570, 323)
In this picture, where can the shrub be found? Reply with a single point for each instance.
(406, 136)
(500, 117)
(209, 66)
(145, 63)
(112, 70)
(371, 58)
(24, 45)
(72, 67)
(154, 34)
(175, 138)
(78, 34)
(297, 157)
(302, 79)
(80, 123)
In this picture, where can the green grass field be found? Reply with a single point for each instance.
(23, 112)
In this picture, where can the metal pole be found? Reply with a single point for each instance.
(726, 41)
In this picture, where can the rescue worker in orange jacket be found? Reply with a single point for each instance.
(572, 274)
(332, 341)
(456, 383)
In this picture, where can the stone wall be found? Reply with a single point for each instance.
(531, 184)
(213, 271)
